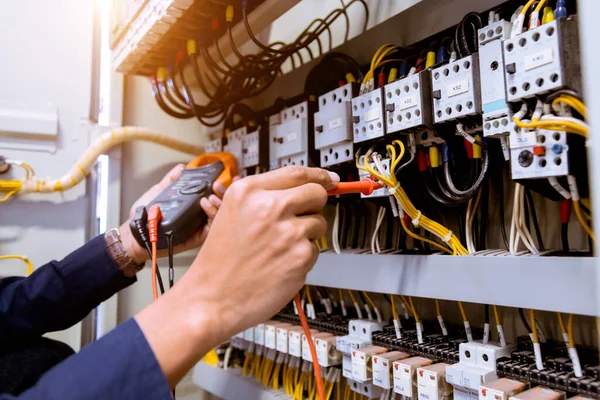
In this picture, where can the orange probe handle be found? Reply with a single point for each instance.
(365, 186)
(228, 160)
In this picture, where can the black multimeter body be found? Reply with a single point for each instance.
(180, 204)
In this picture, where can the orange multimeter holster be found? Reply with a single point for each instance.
(180, 202)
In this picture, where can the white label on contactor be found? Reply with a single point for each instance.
(408, 102)
(292, 136)
(402, 380)
(381, 372)
(335, 123)
(270, 337)
(523, 139)
(295, 344)
(282, 340)
(538, 59)
(372, 114)
(253, 148)
(457, 88)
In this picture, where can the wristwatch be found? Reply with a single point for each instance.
(119, 255)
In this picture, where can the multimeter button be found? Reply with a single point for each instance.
(195, 188)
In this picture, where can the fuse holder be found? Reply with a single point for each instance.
(539, 150)
(365, 186)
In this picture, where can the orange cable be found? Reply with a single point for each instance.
(154, 289)
(311, 346)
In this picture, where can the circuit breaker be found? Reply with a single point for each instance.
(294, 137)
(333, 126)
(367, 116)
(254, 149)
(538, 154)
(408, 103)
(455, 89)
(235, 144)
(497, 118)
(274, 121)
(543, 59)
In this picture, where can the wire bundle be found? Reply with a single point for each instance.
(224, 83)
(418, 219)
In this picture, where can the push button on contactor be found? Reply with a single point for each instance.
(511, 68)
(195, 188)
(539, 150)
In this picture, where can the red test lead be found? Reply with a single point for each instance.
(365, 186)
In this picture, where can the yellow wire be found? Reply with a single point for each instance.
(423, 239)
(394, 313)
(8, 195)
(437, 307)
(369, 300)
(540, 6)
(414, 310)
(341, 294)
(352, 296)
(570, 331)
(496, 315)
(22, 258)
(246, 363)
(462, 311)
(529, 3)
(554, 125)
(533, 327)
(572, 102)
(582, 220)
(308, 296)
(561, 322)
(338, 390)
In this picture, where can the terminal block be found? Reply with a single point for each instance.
(367, 116)
(543, 59)
(254, 149)
(383, 192)
(456, 90)
(294, 137)
(497, 119)
(333, 126)
(408, 103)
(235, 144)
(538, 154)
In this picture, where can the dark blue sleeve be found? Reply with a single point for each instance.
(121, 365)
(60, 293)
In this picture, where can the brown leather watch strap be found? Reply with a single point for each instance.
(119, 255)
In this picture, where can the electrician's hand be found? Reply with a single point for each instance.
(259, 249)
(210, 206)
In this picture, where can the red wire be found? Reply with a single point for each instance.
(154, 289)
(311, 346)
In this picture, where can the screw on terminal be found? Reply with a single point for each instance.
(525, 158)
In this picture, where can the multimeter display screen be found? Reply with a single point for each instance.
(168, 205)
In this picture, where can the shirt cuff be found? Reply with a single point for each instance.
(121, 365)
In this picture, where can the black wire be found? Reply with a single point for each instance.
(524, 320)
(169, 236)
(564, 235)
(536, 224)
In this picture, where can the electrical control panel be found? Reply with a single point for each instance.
(293, 139)
(538, 154)
(333, 126)
(497, 118)
(456, 90)
(543, 59)
(368, 120)
(408, 103)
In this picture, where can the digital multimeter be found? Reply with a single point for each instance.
(180, 202)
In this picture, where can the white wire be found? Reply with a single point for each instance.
(469, 238)
(375, 247)
(227, 357)
(335, 234)
(527, 238)
(569, 119)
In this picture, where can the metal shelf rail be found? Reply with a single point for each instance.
(565, 284)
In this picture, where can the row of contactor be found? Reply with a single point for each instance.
(371, 370)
